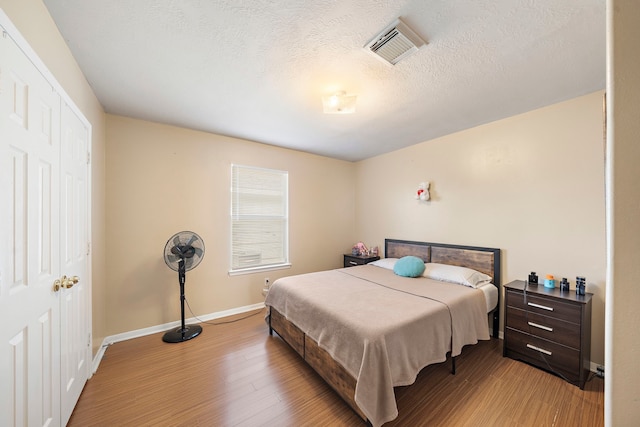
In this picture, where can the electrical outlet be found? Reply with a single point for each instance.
(265, 288)
(600, 371)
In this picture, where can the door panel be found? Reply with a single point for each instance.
(75, 333)
(35, 209)
(29, 184)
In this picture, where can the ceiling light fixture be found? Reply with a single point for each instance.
(339, 103)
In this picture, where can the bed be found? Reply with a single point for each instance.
(365, 329)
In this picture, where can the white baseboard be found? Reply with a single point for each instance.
(593, 367)
(165, 327)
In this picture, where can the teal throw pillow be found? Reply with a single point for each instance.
(409, 266)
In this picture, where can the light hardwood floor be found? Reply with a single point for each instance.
(235, 374)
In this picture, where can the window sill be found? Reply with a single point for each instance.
(259, 269)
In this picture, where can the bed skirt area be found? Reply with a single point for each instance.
(350, 297)
(320, 360)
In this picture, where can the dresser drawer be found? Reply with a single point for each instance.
(549, 328)
(545, 354)
(545, 306)
(353, 260)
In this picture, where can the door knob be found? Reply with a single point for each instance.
(65, 282)
(68, 282)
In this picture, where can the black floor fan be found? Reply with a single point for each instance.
(183, 252)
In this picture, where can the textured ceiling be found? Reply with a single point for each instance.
(257, 69)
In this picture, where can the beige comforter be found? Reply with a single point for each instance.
(381, 327)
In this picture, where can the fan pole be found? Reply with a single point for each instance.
(184, 333)
(182, 278)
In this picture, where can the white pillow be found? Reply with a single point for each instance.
(387, 263)
(454, 274)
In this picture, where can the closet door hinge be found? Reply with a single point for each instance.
(88, 158)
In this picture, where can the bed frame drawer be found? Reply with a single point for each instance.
(333, 373)
(319, 359)
(287, 331)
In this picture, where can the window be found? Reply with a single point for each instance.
(259, 219)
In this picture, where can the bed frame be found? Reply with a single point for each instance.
(485, 260)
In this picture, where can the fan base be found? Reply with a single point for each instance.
(180, 335)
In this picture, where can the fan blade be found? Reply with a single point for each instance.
(188, 262)
(192, 239)
(180, 252)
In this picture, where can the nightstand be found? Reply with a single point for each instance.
(352, 260)
(549, 329)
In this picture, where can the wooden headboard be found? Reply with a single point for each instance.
(485, 260)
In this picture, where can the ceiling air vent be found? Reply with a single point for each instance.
(395, 43)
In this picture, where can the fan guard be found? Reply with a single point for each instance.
(185, 245)
(183, 252)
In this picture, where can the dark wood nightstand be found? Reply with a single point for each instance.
(549, 329)
(352, 260)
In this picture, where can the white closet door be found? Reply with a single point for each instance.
(29, 188)
(45, 347)
(75, 333)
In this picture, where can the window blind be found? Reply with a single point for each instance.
(259, 218)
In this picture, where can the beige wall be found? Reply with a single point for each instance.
(529, 184)
(164, 179)
(33, 21)
(532, 185)
(622, 392)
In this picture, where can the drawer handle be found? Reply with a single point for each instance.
(536, 325)
(353, 263)
(544, 307)
(541, 350)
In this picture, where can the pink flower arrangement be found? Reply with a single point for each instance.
(361, 248)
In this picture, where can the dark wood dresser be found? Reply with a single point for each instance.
(351, 260)
(549, 329)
